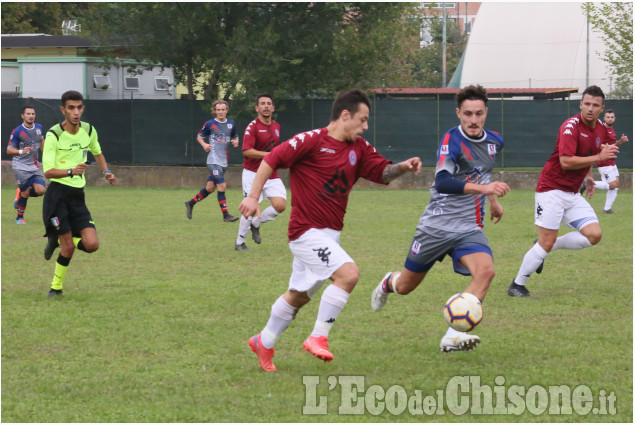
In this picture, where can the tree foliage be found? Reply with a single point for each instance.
(614, 23)
(32, 18)
(292, 49)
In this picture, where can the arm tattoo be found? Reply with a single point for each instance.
(391, 172)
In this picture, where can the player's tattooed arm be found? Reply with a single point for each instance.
(392, 171)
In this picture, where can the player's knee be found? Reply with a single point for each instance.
(594, 237)
(485, 274)
(91, 245)
(40, 190)
(279, 205)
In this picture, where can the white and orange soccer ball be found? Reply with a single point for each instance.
(463, 311)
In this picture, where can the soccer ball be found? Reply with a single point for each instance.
(463, 311)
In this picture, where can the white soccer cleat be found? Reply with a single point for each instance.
(461, 342)
(379, 297)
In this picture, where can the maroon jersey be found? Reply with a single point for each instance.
(322, 172)
(574, 139)
(612, 138)
(261, 137)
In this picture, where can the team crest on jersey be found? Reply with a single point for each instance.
(598, 142)
(445, 149)
(416, 247)
(38, 132)
(229, 126)
(491, 149)
(352, 157)
(277, 133)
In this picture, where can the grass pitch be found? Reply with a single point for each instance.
(153, 327)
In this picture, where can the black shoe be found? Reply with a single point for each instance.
(51, 244)
(255, 234)
(188, 209)
(542, 265)
(609, 211)
(516, 290)
(55, 293)
(229, 218)
(241, 247)
(583, 187)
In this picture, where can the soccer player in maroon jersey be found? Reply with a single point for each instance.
(608, 170)
(582, 141)
(323, 164)
(261, 136)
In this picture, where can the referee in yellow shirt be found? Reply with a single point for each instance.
(66, 218)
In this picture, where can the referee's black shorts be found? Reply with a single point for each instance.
(68, 204)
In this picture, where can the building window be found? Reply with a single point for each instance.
(101, 82)
(132, 83)
(161, 83)
(439, 5)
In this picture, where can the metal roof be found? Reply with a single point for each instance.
(42, 40)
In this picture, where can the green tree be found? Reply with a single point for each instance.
(47, 18)
(427, 61)
(294, 49)
(614, 23)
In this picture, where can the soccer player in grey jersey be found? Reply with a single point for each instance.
(214, 138)
(25, 141)
(452, 223)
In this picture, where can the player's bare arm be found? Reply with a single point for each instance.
(608, 152)
(392, 171)
(108, 175)
(495, 208)
(206, 146)
(253, 153)
(249, 205)
(623, 139)
(499, 189)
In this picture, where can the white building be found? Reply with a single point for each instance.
(44, 66)
(533, 45)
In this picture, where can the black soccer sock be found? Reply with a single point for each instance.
(222, 201)
(199, 196)
(21, 206)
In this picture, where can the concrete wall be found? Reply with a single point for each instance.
(193, 177)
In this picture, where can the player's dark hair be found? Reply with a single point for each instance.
(594, 91)
(263, 95)
(350, 101)
(609, 111)
(71, 95)
(471, 92)
(24, 108)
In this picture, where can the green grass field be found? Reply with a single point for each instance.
(154, 326)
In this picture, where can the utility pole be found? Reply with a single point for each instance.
(444, 44)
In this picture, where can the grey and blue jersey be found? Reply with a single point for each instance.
(23, 137)
(218, 135)
(468, 160)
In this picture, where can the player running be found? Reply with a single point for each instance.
(25, 141)
(261, 136)
(452, 223)
(64, 209)
(219, 131)
(608, 170)
(324, 164)
(582, 141)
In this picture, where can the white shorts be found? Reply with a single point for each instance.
(273, 188)
(317, 254)
(608, 173)
(556, 206)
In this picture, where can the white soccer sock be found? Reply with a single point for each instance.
(610, 198)
(282, 314)
(532, 260)
(267, 215)
(572, 240)
(602, 185)
(243, 230)
(331, 304)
